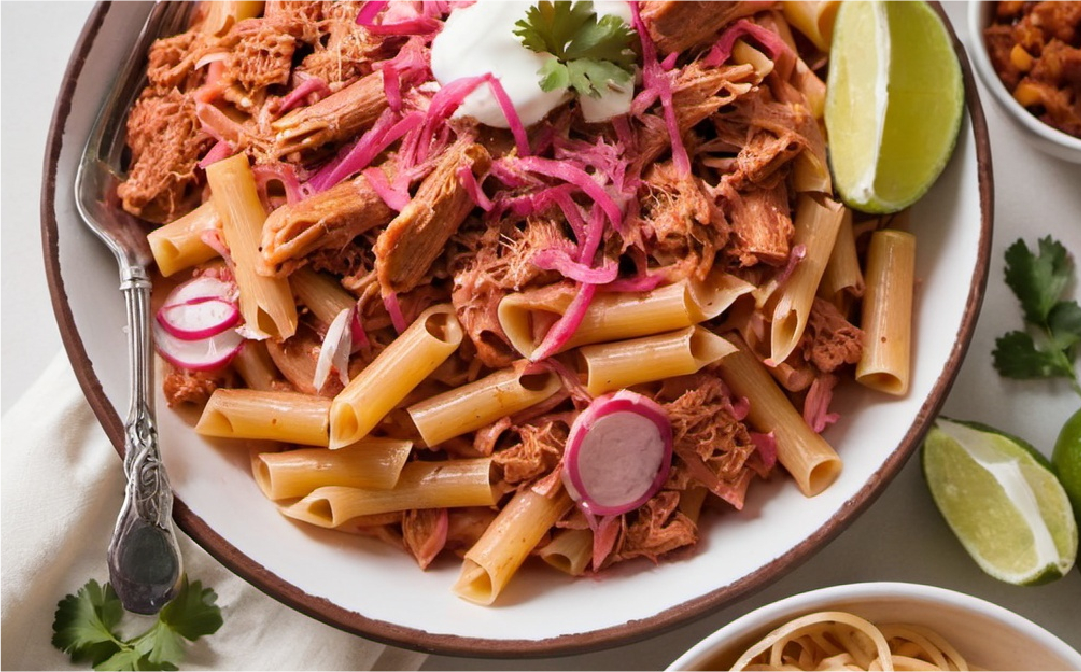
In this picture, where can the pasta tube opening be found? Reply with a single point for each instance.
(384, 383)
(480, 403)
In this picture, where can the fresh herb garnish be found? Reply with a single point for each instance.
(85, 627)
(1038, 280)
(589, 51)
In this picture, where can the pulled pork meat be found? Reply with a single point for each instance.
(424, 533)
(708, 435)
(418, 235)
(184, 386)
(679, 25)
(655, 528)
(495, 261)
(537, 453)
(330, 220)
(682, 219)
(761, 224)
(166, 141)
(337, 117)
(260, 56)
(830, 340)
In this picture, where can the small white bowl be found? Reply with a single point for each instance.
(990, 637)
(1044, 137)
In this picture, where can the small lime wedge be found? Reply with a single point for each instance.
(894, 103)
(1000, 498)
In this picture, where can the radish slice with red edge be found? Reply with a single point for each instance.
(203, 354)
(199, 308)
(335, 349)
(198, 318)
(618, 453)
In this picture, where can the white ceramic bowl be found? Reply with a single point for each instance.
(990, 637)
(1044, 137)
(363, 586)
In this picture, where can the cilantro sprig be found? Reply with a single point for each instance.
(85, 627)
(1038, 279)
(589, 51)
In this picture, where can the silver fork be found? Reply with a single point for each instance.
(144, 560)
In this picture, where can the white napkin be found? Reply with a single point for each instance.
(62, 485)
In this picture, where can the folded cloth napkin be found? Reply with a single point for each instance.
(62, 486)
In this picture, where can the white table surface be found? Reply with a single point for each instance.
(899, 538)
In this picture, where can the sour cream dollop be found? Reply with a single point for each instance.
(480, 39)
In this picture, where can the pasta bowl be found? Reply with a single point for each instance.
(360, 585)
(988, 636)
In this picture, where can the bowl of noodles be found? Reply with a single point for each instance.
(456, 363)
(881, 626)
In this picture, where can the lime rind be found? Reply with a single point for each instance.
(1002, 502)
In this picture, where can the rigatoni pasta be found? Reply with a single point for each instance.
(813, 463)
(887, 312)
(491, 563)
(622, 364)
(179, 244)
(370, 463)
(289, 417)
(480, 403)
(395, 372)
(266, 303)
(421, 485)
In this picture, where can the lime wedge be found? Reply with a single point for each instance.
(999, 497)
(894, 103)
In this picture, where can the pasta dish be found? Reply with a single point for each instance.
(511, 280)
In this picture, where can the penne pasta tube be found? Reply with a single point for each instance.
(569, 551)
(266, 303)
(480, 403)
(813, 463)
(383, 384)
(421, 485)
(887, 312)
(613, 366)
(491, 563)
(255, 366)
(816, 230)
(322, 294)
(374, 463)
(614, 316)
(843, 272)
(289, 417)
(179, 244)
(221, 15)
(813, 18)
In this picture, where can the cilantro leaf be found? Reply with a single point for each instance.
(83, 623)
(590, 53)
(1038, 279)
(1064, 325)
(85, 628)
(193, 612)
(1016, 356)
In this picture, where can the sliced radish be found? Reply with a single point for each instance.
(335, 349)
(201, 354)
(618, 454)
(198, 318)
(200, 308)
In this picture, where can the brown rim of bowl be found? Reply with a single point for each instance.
(564, 645)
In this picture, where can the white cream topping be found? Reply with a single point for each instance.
(480, 39)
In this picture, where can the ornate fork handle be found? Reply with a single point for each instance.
(144, 559)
